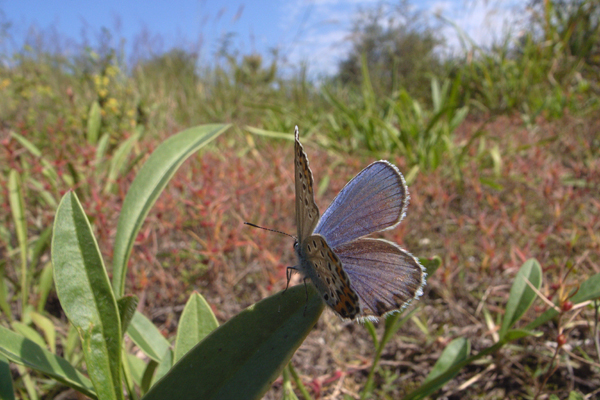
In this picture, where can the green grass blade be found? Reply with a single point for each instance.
(521, 296)
(241, 358)
(84, 291)
(93, 123)
(119, 158)
(44, 286)
(196, 322)
(147, 186)
(4, 306)
(148, 338)
(17, 208)
(271, 134)
(23, 351)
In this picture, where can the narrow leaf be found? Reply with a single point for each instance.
(147, 186)
(29, 333)
(119, 158)
(47, 327)
(137, 368)
(44, 286)
(242, 358)
(197, 321)
(93, 123)
(163, 367)
(521, 296)
(17, 208)
(4, 293)
(6, 382)
(457, 351)
(514, 334)
(147, 337)
(127, 305)
(23, 351)
(84, 291)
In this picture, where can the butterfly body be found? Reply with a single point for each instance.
(357, 277)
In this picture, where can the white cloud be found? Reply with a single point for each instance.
(317, 32)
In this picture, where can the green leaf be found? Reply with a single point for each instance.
(163, 367)
(46, 326)
(29, 333)
(6, 382)
(243, 357)
(93, 123)
(148, 375)
(147, 186)
(17, 207)
(588, 290)
(575, 396)
(457, 351)
(25, 352)
(147, 337)
(44, 286)
(32, 148)
(119, 158)
(41, 244)
(430, 264)
(197, 321)
(371, 329)
(100, 152)
(137, 368)
(4, 293)
(127, 307)
(521, 295)
(271, 134)
(514, 334)
(84, 291)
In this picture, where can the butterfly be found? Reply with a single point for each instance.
(357, 277)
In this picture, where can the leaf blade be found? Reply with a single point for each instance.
(84, 291)
(147, 186)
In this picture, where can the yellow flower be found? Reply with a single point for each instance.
(4, 84)
(111, 71)
(112, 104)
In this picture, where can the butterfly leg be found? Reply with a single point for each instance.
(288, 275)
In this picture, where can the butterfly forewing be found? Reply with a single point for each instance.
(385, 277)
(307, 213)
(325, 270)
(374, 200)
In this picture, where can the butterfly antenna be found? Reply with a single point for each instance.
(267, 229)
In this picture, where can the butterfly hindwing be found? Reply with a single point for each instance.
(374, 200)
(385, 277)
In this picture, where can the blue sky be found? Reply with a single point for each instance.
(315, 32)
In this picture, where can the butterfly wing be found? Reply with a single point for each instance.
(374, 200)
(384, 276)
(324, 268)
(307, 213)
